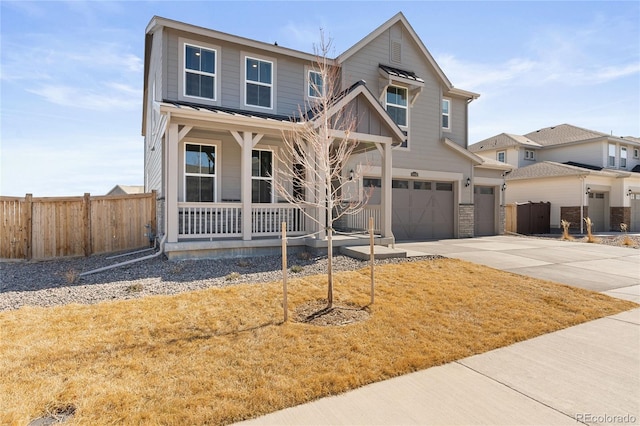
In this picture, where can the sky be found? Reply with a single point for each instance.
(71, 72)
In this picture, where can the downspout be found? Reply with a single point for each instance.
(128, 262)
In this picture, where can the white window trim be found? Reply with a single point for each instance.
(274, 169)
(407, 107)
(243, 88)
(504, 155)
(624, 157)
(307, 83)
(448, 128)
(636, 153)
(609, 156)
(218, 166)
(529, 154)
(182, 85)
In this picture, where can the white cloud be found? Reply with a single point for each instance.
(112, 96)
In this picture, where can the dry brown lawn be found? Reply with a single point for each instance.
(222, 355)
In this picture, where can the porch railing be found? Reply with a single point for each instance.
(219, 220)
(360, 220)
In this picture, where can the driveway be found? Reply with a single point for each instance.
(611, 270)
(586, 374)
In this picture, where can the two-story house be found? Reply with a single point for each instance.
(582, 173)
(216, 107)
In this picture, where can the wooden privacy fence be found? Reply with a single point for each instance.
(49, 227)
(528, 218)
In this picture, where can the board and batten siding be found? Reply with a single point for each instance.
(426, 151)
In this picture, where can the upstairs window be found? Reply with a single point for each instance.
(200, 173)
(623, 157)
(315, 85)
(397, 104)
(636, 153)
(261, 176)
(612, 155)
(501, 156)
(529, 154)
(259, 83)
(199, 72)
(446, 119)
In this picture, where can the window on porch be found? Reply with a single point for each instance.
(200, 173)
(261, 176)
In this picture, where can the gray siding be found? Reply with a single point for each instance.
(153, 158)
(289, 77)
(426, 152)
(458, 122)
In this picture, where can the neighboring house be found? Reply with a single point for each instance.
(126, 190)
(215, 109)
(582, 173)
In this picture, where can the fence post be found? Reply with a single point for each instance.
(372, 256)
(86, 223)
(284, 271)
(27, 220)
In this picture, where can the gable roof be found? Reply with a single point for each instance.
(503, 140)
(562, 134)
(360, 89)
(398, 17)
(550, 169)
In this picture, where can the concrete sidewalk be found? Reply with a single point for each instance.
(589, 373)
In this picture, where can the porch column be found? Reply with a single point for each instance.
(311, 192)
(245, 184)
(171, 200)
(321, 202)
(387, 171)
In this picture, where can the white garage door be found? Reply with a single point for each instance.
(635, 213)
(422, 210)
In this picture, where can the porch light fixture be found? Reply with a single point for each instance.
(629, 192)
(588, 190)
(351, 174)
(504, 186)
(414, 174)
(468, 182)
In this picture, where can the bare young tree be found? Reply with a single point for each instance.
(316, 150)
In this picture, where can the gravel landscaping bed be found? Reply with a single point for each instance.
(57, 282)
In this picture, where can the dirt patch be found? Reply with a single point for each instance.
(317, 313)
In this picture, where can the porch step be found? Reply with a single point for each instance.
(379, 252)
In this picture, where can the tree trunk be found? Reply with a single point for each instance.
(330, 268)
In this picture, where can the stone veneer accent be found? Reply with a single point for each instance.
(502, 220)
(572, 214)
(466, 224)
(619, 215)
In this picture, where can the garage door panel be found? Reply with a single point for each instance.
(484, 210)
(635, 213)
(422, 210)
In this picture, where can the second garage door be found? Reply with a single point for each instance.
(422, 210)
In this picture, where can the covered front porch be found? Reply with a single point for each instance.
(236, 221)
